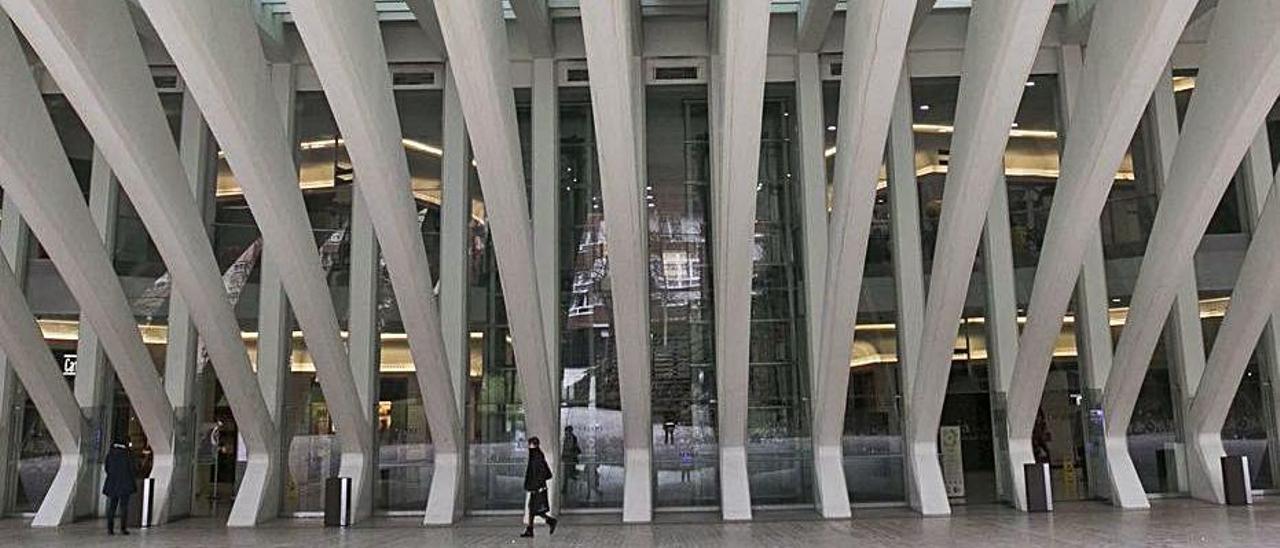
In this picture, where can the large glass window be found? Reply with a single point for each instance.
(872, 437)
(590, 402)
(405, 454)
(685, 455)
(495, 411)
(779, 457)
(326, 176)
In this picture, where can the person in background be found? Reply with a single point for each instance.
(536, 475)
(119, 485)
(570, 453)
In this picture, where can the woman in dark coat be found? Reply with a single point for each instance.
(536, 475)
(119, 485)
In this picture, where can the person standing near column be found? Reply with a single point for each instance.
(119, 486)
(536, 475)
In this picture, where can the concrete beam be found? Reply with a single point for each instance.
(812, 20)
(612, 62)
(534, 20)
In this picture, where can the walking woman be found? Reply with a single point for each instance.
(535, 482)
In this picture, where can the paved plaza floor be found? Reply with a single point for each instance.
(1168, 523)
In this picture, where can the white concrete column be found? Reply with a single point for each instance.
(363, 329)
(735, 169)
(1093, 314)
(94, 386)
(1001, 296)
(455, 243)
(875, 45)
(546, 208)
(1000, 48)
(1257, 187)
(546, 218)
(612, 61)
(908, 253)
(27, 355)
(813, 197)
(1238, 82)
(275, 323)
(475, 34)
(217, 49)
(1245, 327)
(14, 238)
(1001, 321)
(344, 40)
(180, 382)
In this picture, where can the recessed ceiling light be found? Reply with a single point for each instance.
(1031, 84)
(831, 128)
(924, 107)
(1015, 124)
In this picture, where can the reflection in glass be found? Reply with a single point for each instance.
(685, 455)
(590, 403)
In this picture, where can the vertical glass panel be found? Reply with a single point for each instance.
(685, 456)
(1126, 226)
(590, 402)
(966, 422)
(872, 437)
(495, 411)
(779, 461)
(325, 176)
(1031, 172)
(406, 456)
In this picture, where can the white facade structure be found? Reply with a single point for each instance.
(719, 255)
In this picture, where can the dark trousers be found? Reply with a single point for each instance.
(123, 503)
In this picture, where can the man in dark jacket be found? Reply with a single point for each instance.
(536, 475)
(119, 486)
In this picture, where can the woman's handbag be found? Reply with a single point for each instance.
(538, 503)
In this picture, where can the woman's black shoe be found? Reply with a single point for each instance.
(553, 522)
(528, 533)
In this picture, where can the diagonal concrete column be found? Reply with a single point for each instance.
(103, 72)
(736, 173)
(875, 44)
(904, 215)
(344, 42)
(611, 61)
(476, 38)
(40, 180)
(217, 49)
(1001, 46)
(1238, 82)
(1253, 305)
(1113, 93)
(28, 356)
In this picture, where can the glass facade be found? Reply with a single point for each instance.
(678, 189)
